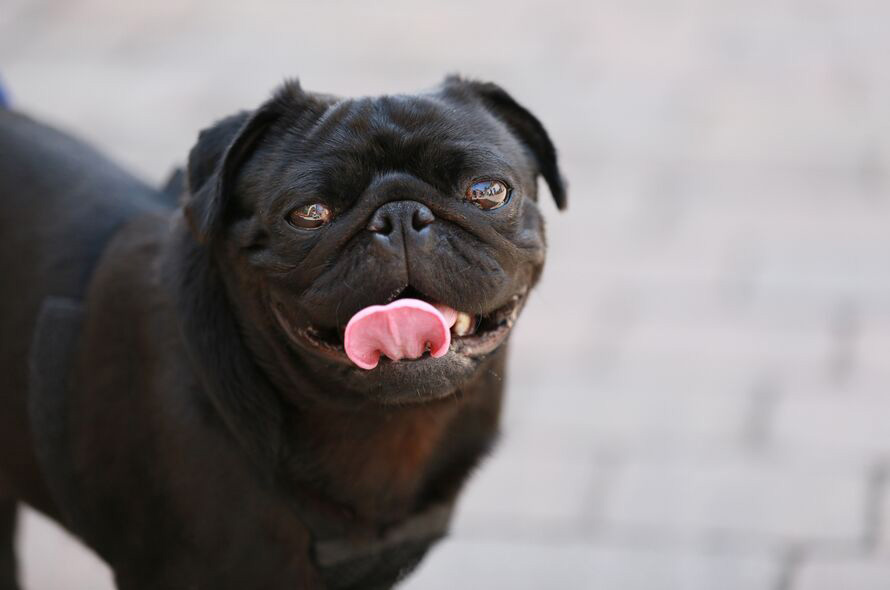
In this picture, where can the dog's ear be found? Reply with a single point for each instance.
(221, 149)
(527, 128)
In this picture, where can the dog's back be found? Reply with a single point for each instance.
(60, 201)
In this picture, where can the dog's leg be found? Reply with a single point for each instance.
(7, 544)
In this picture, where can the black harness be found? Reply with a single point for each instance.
(381, 562)
(344, 562)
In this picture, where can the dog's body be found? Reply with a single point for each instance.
(150, 402)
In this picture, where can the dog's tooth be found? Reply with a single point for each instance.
(464, 324)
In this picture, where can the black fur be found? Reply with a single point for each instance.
(201, 443)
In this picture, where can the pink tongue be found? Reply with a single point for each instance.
(400, 330)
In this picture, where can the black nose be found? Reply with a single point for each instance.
(399, 216)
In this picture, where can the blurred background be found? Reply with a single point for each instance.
(699, 395)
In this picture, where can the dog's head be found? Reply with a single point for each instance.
(317, 207)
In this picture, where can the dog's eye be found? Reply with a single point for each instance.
(310, 216)
(488, 194)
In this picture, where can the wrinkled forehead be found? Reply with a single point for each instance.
(353, 140)
(406, 120)
(401, 125)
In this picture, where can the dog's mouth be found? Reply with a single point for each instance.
(471, 335)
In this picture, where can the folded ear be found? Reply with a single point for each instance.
(523, 124)
(219, 153)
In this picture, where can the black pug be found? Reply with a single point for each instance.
(284, 380)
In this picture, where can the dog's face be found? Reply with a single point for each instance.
(318, 207)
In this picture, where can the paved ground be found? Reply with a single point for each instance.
(700, 393)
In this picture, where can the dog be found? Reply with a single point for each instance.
(280, 371)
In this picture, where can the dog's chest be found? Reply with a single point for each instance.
(376, 465)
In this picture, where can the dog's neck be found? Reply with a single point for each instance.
(381, 463)
(376, 464)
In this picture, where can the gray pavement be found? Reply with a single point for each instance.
(700, 389)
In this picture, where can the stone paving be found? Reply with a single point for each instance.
(700, 389)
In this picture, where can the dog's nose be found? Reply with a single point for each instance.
(398, 216)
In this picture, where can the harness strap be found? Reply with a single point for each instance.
(380, 563)
(56, 335)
